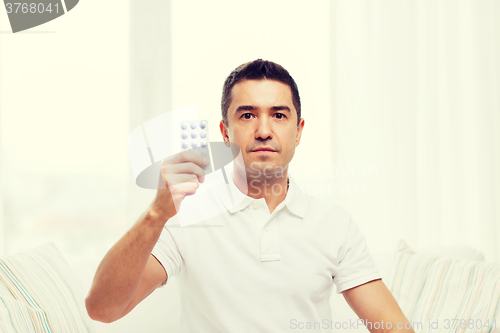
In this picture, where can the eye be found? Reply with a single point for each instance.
(246, 115)
(279, 115)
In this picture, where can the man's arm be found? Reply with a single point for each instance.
(374, 303)
(128, 273)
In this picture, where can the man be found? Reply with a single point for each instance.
(275, 259)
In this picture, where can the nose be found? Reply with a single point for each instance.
(263, 131)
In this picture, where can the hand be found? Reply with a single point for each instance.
(180, 176)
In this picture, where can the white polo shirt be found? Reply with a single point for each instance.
(247, 270)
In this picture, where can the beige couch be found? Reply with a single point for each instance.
(442, 290)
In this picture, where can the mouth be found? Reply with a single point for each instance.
(263, 150)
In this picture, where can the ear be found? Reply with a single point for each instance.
(224, 132)
(300, 127)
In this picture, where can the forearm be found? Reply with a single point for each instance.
(405, 327)
(402, 326)
(120, 272)
(376, 306)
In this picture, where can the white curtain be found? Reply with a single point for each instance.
(63, 134)
(415, 92)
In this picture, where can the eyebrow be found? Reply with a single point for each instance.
(242, 108)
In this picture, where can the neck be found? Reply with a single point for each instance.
(272, 189)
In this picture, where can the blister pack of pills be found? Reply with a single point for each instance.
(194, 137)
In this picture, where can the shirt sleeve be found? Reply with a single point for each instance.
(356, 266)
(167, 253)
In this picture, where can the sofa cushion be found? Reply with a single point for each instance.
(440, 294)
(40, 293)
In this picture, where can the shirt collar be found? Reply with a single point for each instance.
(296, 200)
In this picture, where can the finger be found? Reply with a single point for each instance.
(185, 188)
(182, 178)
(185, 168)
(185, 177)
(191, 188)
(188, 156)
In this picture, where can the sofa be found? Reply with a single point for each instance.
(440, 290)
(39, 292)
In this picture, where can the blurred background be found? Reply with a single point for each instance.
(401, 101)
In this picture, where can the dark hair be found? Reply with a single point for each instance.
(258, 70)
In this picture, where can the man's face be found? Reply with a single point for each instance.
(262, 121)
